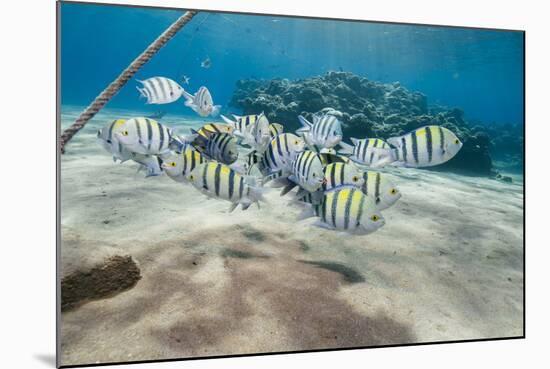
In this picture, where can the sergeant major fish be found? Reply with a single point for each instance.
(220, 181)
(335, 175)
(424, 147)
(258, 136)
(307, 172)
(276, 160)
(221, 147)
(178, 165)
(215, 128)
(380, 188)
(324, 132)
(275, 129)
(109, 141)
(243, 125)
(152, 164)
(346, 209)
(160, 90)
(145, 136)
(201, 103)
(362, 151)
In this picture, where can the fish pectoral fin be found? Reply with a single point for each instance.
(288, 188)
(321, 224)
(215, 110)
(232, 207)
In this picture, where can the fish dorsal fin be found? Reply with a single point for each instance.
(228, 121)
(354, 140)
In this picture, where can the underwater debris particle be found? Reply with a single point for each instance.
(350, 275)
(116, 274)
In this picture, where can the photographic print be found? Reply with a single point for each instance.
(239, 184)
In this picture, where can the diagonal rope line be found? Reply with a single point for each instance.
(124, 77)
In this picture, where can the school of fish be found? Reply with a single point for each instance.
(238, 159)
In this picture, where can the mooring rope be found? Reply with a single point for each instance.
(124, 77)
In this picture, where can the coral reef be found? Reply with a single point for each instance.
(374, 109)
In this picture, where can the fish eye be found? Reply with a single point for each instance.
(296, 142)
(191, 177)
(375, 218)
(313, 174)
(393, 191)
(173, 164)
(355, 179)
(457, 141)
(125, 133)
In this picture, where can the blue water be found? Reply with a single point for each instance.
(479, 71)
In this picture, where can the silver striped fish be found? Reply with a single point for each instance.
(324, 132)
(346, 209)
(152, 164)
(220, 181)
(424, 147)
(276, 160)
(362, 150)
(160, 90)
(145, 136)
(331, 157)
(221, 147)
(380, 188)
(215, 128)
(201, 102)
(275, 129)
(307, 172)
(109, 141)
(178, 165)
(336, 175)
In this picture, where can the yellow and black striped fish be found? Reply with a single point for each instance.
(276, 160)
(109, 141)
(214, 128)
(380, 188)
(340, 174)
(242, 124)
(220, 181)
(307, 171)
(275, 129)
(423, 147)
(145, 136)
(178, 165)
(347, 209)
(362, 151)
(329, 158)
(221, 147)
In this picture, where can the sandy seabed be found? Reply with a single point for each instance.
(448, 265)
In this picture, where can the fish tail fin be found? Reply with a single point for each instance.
(346, 149)
(308, 212)
(188, 96)
(256, 193)
(227, 120)
(306, 125)
(215, 110)
(383, 157)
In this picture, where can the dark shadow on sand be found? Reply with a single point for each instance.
(350, 275)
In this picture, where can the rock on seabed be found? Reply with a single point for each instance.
(115, 274)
